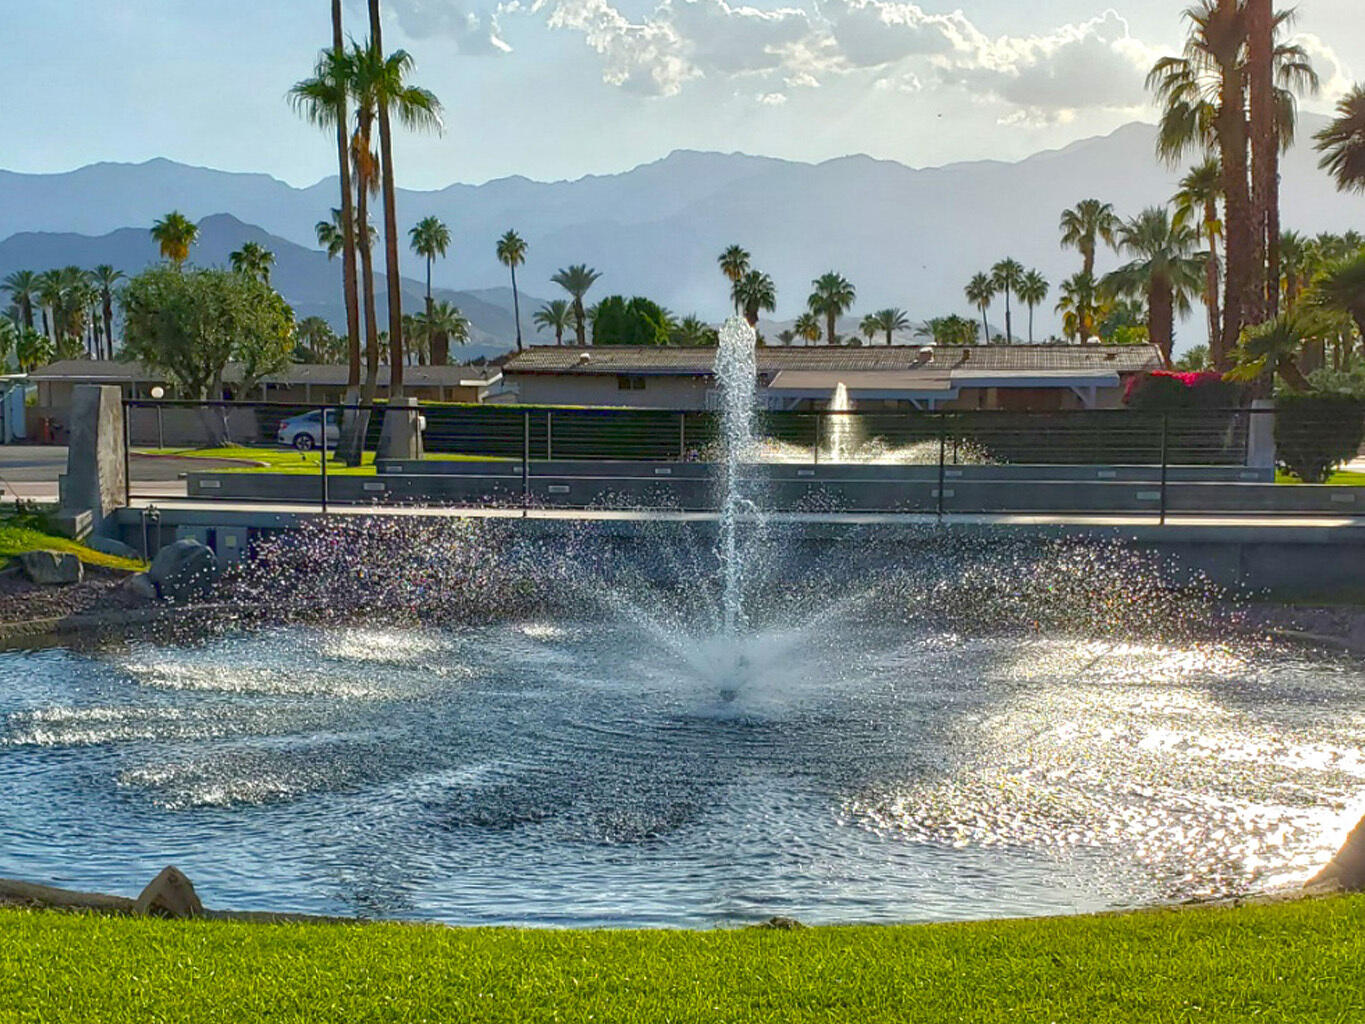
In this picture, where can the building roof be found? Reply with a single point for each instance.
(944, 361)
(116, 372)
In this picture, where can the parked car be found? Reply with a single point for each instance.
(304, 432)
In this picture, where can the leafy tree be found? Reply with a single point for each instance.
(980, 292)
(174, 235)
(1316, 432)
(1342, 143)
(429, 238)
(1165, 269)
(9, 337)
(191, 324)
(253, 259)
(512, 254)
(1033, 289)
(755, 293)
(807, 327)
(637, 321)
(692, 332)
(1085, 225)
(832, 295)
(576, 280)
(556, 316)
(32, 349)
(950, 330)
(734, 264)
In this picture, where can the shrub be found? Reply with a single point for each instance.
(1316, 432)
(1176, 391)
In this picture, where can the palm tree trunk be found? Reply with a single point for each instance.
(1212, 281)
(580, 327)
(428, 285)
(1260, 29)
(1009, 322)
(1030, 323)
(390, 225)
(1242, 280)
(1161, 318)
(829, 327)
(109, 324)
(516, 305)
(367, 292)
(888, 337)
(985, 327)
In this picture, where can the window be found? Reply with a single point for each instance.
(630, 382)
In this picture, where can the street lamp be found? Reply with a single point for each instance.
(159, 393)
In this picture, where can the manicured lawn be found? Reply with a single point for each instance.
(16, 538)
(1345, 478)
(288, 460)
(1302, 961)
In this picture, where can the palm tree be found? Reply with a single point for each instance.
(755, 293)
(807, 327)
(1295, 258)
(980, 292)
(889, 321)
(1342, 143)
(1274, 347)
(1166, 270)
(832, 295)
(440, 326)
(22, 286)
(868, 327)
(576, 280)
(322, 99)
(382, 88)
(106, 277)
(734, 264)
(174, 234)
(693, 332)
(1085, 225)
(429, 238)
(1033, 289)
(556, 316)
(50, 299)
(253, 260)
(512, 254)
(1007, 275)
(1341, 288)
(1080, 296)
(1196, 202)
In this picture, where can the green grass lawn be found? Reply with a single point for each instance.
(1343, 478)
(289, 460)
(1300, 961)
(18, 537)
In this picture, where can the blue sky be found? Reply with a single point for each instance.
(561, 88)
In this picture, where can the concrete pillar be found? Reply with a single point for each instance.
(95, 483)
(401, 435)
(1261, 435)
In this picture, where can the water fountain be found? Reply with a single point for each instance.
(843, 444)
(737, 383)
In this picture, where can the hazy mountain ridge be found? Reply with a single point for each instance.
(908, 237)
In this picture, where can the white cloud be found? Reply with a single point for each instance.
(772, 99)
(475, 31)
(1335, 76)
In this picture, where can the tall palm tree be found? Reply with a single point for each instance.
(1033, 289)
(807, 327)
(576, 280)
(51, 299)
(322, 99)
(889, 321)
(1078, 302)
(755, 293)
(868, 327)
(734, 264)
(512, 254)
(1196, 202)
(174, 234)
(1341, 288)
(831, 296)
(383, 88)
(557, 316)
(1295, 256)
(429, 238)
(1007, 275)
(438, 327)
(254, 260)
(106, 277)
(1085, 225)
(980, 292)
(1342, 142)
(22, 286)
(1165, 270)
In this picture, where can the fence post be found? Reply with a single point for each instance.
(682, 437)
(525, 461)
(127, 453)
(819, 435)
(322, 456)
(942, 459)
(1165, 417)
(549, 435)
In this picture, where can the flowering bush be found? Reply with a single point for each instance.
(1177, 391)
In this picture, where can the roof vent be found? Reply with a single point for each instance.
(1109, 357)
(966, 355)
(584, 357)
(926, 354)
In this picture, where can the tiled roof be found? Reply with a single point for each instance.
(92, 370)
(699, 361)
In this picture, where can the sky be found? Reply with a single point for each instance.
(555, 89)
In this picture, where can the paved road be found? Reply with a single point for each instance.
(31, 471)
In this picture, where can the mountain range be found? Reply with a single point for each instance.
(904, 236)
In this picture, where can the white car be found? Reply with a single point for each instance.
(303, 433)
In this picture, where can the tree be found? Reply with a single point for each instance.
(692, 332)
(1033, 289)
(190, 324)
(832, 295)
(1273, 347)
(512, 254)
(1085, 225)
(980, 292)
(1194, 360)
(889, 321)
(106, 278)
(950, 330)
(734, 264)
(636, 321)
(253, 259)
(429, 238)
(868, 327)
(755, 293)
(317, 342)
(557, 316)
(1007, 275)
(1342, 143)
(439, 327)
(22, 286)
(174, 235)
(1166, 270)
(32, 349)
(807, 327)
(1200, 191)
(1341, 288)
(1295, 258)
(1079, 305)
(576, 280)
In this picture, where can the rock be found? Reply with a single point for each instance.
(109, 546)
(183, 570)
(140, 585)
(1345, 871)
(781, 924)
(52, 567)
(169, 894)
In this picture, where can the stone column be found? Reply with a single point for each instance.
(401, 435)
(95, 483)
(1261, 435)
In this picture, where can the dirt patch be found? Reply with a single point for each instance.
(23, 601)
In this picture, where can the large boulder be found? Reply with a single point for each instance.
(1345, 871)
(183, 570)
(169, 894)
(52, 567)
(109, 546)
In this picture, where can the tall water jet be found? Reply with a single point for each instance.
(737, 380)
(842, 447)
